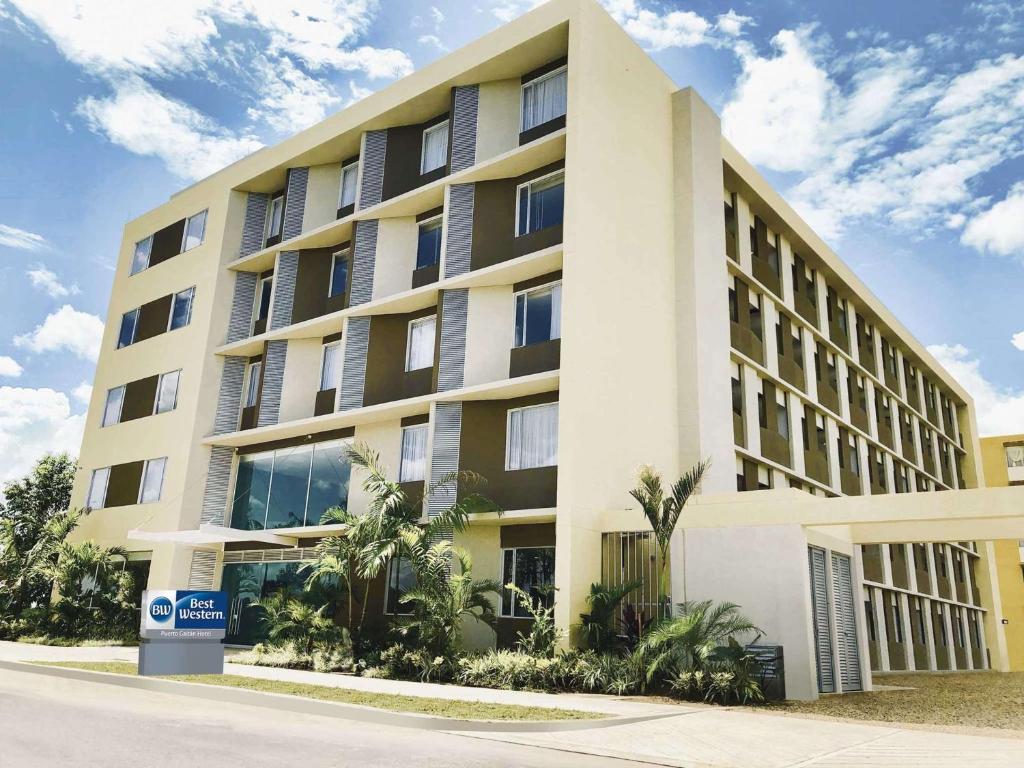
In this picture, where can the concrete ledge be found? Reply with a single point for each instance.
(302, 705)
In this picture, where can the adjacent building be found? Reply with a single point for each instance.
(537, 259)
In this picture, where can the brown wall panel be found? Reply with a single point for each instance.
(167, 243)
(139, 397)
(312, 283)
(535, 358)
(154, 317)
(536, 535)
(123, 485)
(402, 160)
(386, 377)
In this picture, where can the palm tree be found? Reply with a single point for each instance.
(338, 559)
(686, 642)
(597, 627)
(76, 564)
(292, 621)
(663, 513)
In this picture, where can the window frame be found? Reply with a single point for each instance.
(258, 298)
(439, 220)
(135, 326)
(508, 436)
(184, 235)
(401, 453)
(159, 385)
(249, 380)
(268, 225)
(323, 361)
(408, 342)
(507, 578)
(354, 165)
(515, 307)
(145, 473)
(92, 486)
(188, 315)
(106, 407)
(396, 564)
(535, 81)
(529, 184)
(348, 272)
(435, 128)
(149, 254)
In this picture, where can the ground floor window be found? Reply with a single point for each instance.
(532, 569)
(401, 578)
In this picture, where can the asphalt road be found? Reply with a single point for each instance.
(46, 721)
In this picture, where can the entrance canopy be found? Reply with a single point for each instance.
(211, 536)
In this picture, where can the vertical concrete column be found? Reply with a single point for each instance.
(832, 446)
(769, 317)
(883, 636)
(915, 429)
(865, 470)
(860, 612)
(870, 395)
(843, 374)
(890, 472)
(744, 221)
(821, 292)
(968, 640)
(786, 269)
(751, 424)
(994, 633)
(908, 630)
(886, 556)
(929, 628)
(796, 439)
(948, 621)
(810, 380)
(902, 389)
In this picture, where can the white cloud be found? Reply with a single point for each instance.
(290, 100)
(999, 411)
(83, 392)
(10, 367)
(145, 122)
(433, 41)
(12, 237)
(66, 329)
(674, 29)
(34, 422)
(436, 15)
(732, 23)
(1000, 229)
(47, 281)
(358, 92)
(1018, 340)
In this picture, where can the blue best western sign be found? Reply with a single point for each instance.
(184, 614)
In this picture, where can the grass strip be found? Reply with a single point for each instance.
(461, 710)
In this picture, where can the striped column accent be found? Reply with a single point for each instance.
(294, 202)
(215, 494)
(371, 184)
(444, 458)
(464, 111)
(459, 229)
(240, 319)
(364, 259)
(254, 224)
(353, 366)
(229, 399)
(273, 378)
(284, 289)
(201, 572)
(451, 365)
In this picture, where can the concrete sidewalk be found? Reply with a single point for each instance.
(694, 735)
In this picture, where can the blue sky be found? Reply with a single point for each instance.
(896, 129)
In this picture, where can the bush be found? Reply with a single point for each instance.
(566, 671)
(400, 663)
(286, 657)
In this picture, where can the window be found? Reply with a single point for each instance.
(152, 481)
(262, 309)
(347, 192)
(919, 621)
(329, 366)
(1015, 456)
(401, 578)
(181, 308)
(112, 410)
(414, 454)
(195, 231)
(854, 455)
(275, 216)
(764, 478)
(129, 322)
(98, 488)
(538, 315)
(869, 614)
(819, 426)
(428, 249)
(419, 352)
(897, 618)
(435, 148)
(339, 274)
(798, 345)
(754, 311)
(539, 203)
(252, 386)
(532, 569)
(737, 390)
(167, 392)
(532, 439)
(781, 414)
(544, 98)
(140, 260)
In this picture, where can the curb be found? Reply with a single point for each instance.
(301, 705)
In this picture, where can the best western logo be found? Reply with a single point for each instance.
(161, 609)
(184, 610)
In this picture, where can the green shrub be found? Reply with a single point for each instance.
(400, 663)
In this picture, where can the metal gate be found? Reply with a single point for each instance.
(821, 614)
(846, 624)
(632, 556)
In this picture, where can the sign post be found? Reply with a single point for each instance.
(181, 632)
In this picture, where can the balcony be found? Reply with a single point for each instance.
(816, 466)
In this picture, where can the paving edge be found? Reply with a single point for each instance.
(302, 705)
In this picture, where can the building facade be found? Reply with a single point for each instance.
(537, 259)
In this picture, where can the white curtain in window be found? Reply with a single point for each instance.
(98, 488)
(556, 311)
(1015, 456)
(421, 344)
(544, 99)
(329, 369)
(152, 481)
(167, 392)
(533, 437)
(414, 454)
(348, 185)
(253, 386)
(435, 147)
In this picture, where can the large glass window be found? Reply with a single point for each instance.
(98, 488)
(540, 203)
(428, 249)
(112, 410)
(140, 259)
(129, 322)
(532, 569)
(152, 480)
(539, 315)
(532, 439)
(167, 392)
(329, 366)
(249, 583)
(420, 346)
(414, 454)
(401, 578)
(339, 274)
(290, 487)
(181, 310)
(544, 98)
(275, 216)
(435, 148)
(195, 231)
(347, 193)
